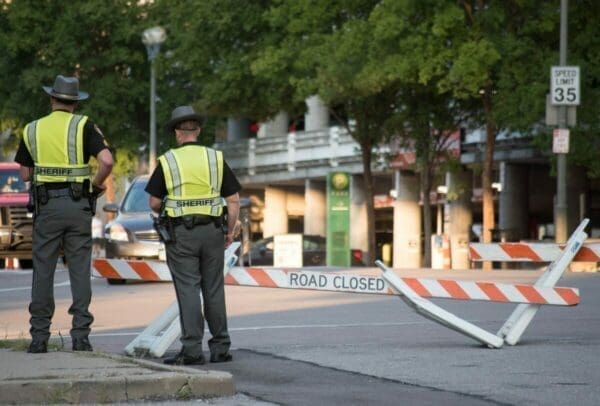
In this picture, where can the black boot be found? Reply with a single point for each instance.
(38, 346)
(181, 359)
(82, 344)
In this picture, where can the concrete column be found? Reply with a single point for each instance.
(238, 128)
(513, 213)
(359, 238)
(407, 222)
(459, 216)
(317, 114)
(275, 218)
(277, 127)
(315, 203)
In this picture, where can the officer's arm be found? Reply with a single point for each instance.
(26, 173)
(155, 204)
(105, 164)
(233, 211)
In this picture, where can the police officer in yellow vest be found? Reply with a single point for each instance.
(54, 155)
(189, 186)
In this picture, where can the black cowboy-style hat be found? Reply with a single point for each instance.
(183, 113)
(66, 88)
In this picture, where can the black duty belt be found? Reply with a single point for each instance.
(59, 193)
(64, 191)
(192, 220)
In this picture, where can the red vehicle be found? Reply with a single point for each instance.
(16, 223)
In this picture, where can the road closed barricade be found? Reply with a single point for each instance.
(157, 338)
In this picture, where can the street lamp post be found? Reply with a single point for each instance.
(152, 39)
(561, 223)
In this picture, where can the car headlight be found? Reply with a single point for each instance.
(117, 233)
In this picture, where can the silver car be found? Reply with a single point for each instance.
(131, 234)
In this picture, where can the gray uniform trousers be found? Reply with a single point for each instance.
(196, 261)
(67, 223)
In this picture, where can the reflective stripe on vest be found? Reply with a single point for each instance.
(193, 176)
(55, 143)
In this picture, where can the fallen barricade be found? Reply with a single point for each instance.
(162, 332)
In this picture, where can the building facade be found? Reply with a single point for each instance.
(283, 172)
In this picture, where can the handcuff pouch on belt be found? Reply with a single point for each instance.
(42, 196)
(76, 190)
(224, 222)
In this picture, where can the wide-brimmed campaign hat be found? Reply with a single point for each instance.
(181, 114)
(66, 88)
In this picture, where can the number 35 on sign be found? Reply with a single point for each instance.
(564, 85)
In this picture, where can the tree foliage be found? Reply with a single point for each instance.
(385, 68)
(97, 41)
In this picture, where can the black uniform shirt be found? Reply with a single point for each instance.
(157, 186)
(93, 143)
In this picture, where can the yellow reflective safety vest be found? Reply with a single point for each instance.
(193, 176)
(55, 143)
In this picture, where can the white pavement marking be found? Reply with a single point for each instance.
(56, 285)
(291, 326)
(26, 272)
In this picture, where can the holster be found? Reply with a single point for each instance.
(164, 229)
(32, 205)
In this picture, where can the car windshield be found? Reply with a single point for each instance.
(10, 182)
(136, 199)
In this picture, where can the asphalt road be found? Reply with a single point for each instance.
(308, 347)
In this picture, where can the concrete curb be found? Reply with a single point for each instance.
(116, 383)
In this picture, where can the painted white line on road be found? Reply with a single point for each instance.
(303, 326)
(291, 326)
(26, 272)
(16, 272)
(56, 285)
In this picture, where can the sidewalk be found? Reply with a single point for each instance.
(91, 377)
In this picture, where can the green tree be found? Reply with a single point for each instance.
(583, 43)
(95, 40)
(324, 45)
(218, 42)
(424, 117)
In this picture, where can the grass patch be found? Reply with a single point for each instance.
(184, 393)
(22, 344)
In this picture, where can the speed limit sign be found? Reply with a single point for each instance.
(564, 85)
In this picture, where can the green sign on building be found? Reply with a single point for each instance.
(338, 219)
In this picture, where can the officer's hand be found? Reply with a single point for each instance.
(228, 239)
(99, 190)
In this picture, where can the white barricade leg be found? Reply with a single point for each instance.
(436, 313)
(514, 327)
(147, 337)
(162, 332)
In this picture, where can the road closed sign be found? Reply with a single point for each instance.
(564, 85)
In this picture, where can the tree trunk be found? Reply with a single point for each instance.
(368, 176)
(486, 176)
(426, 189)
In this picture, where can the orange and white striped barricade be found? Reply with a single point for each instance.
(423, 287)
(413, 291)
(530, 252)
(519, 320)
(351, 283)
(164, 330)
(432, 311)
